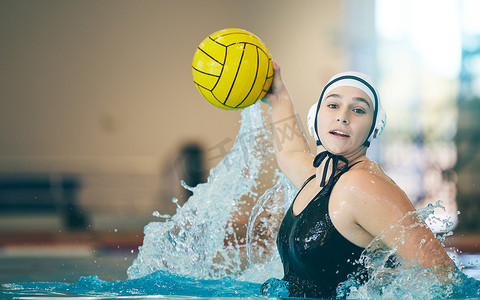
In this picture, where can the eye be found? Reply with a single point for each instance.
(332, 105)
(359, 111)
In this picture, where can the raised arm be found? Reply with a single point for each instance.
(291, 146)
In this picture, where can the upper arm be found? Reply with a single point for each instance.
(296, 165)
(379, 204)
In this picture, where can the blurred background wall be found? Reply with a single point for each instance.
(98, 110)
(97, 97)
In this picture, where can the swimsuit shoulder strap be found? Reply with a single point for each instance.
(307, 181)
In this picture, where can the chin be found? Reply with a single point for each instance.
(336, 150)
(341, 150)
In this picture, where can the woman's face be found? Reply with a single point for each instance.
(344, 120)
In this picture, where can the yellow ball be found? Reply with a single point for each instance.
(232, 68)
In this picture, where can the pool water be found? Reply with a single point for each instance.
(100, 276)
(60, 278)
(158, 283)
(109, 267)
(203, 252)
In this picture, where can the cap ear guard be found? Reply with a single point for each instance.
(379, 124)
(312, 113)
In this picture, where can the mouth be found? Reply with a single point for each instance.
(339, 133)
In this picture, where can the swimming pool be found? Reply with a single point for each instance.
(63, 268)
(104, 276)
(199, 252)
(111, 269)
(56, 267)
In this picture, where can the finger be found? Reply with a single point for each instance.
(276, 67)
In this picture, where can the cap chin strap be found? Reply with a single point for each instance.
(334, 159)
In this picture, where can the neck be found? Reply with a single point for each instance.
(329, 164)
(352, 158)
(357, 156)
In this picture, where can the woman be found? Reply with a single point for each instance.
(344, 199)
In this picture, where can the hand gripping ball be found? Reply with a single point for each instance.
(232, 68)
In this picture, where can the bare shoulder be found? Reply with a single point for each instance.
(368, 174)
(372, 194)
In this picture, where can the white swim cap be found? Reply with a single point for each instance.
(362, 82)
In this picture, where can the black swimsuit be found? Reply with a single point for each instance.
(315, 256)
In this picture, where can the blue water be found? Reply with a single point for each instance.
(221, 243)
(157, 283)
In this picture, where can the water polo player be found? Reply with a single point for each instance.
(345, 200)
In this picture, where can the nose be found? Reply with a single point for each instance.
(342, 117)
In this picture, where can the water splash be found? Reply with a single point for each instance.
(207, 238)
(389, 277)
